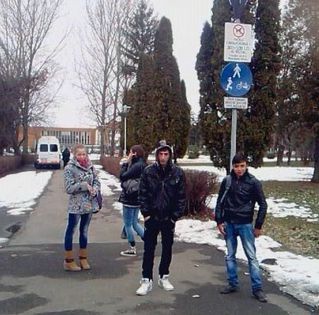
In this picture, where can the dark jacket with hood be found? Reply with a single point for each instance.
(162, 190)
(239, 203)
(131, 171)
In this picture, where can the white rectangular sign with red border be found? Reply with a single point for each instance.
(238, 42)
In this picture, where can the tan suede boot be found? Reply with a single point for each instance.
(69, 264)
(83, 254)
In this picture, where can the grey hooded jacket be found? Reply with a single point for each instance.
(76, 178)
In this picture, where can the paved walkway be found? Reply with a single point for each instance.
(32, 280)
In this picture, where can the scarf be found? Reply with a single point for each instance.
(84, 162)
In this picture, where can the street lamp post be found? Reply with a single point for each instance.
(124, 114)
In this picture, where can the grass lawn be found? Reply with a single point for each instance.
(295, 234)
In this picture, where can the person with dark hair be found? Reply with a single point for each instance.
(66, 156)
(130, 174)
(234, 214)
(163, 201)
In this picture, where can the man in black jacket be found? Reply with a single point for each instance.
(162, 200)
(234, 216)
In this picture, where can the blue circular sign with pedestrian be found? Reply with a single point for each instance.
(236, 79)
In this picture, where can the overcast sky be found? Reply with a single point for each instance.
(187, 18)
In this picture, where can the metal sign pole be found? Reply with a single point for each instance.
(233, 136)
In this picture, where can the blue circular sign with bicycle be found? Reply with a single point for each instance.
(236, 79)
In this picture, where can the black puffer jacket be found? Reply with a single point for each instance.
(238, 206)
(131, 171)
(162, 192)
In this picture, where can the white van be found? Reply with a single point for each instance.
(48, 152)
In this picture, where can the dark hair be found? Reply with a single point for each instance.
(138, 149)
(239, 158)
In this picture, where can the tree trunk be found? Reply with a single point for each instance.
(102, 145)
(25, 129)
(315, 177)
(289, 153)
(280, 154)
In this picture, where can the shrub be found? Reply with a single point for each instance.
(9, 163)
(28, 158)
(199, 186)
(193, 152)
(111, 164)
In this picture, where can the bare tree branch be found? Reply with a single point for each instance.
(24, 30)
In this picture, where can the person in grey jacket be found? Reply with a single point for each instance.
(82, 184)
(234, 214)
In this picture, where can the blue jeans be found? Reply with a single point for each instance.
(83, 233)
(130, 218)
(246, 234)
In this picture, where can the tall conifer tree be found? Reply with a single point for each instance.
(215, 126)
(204, 70)
(266, 65)
(181, 143)
(139, 35)
(306, 15)
(159, 107)
(167, 94)
(143, 113)
(254, 125)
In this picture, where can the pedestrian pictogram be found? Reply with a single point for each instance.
(236, 79)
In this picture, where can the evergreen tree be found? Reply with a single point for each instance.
(254, 125)
(183, 129)
(288, 125)
(159, 107)
(214, 120)
(139, 35)
(204, 70)
(306, 19)
(141, 128)
(167, 94)
(266, 65)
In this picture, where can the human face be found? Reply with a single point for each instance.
(163, 157)
(80, 154)
(240, 168)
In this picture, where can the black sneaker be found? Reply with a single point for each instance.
(260, 296)
(229, 289)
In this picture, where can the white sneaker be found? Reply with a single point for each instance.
(129, 252)
(146, 286)
(165, 284)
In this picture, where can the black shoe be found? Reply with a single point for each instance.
(229, 289)
(260, 296)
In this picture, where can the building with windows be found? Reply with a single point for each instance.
(67, 136)
(90, 137)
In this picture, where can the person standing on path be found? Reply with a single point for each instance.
(234, 214)
(82, 184)
(66, 156)
(130, 174)
(163, 201)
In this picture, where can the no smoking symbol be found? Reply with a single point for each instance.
(238, 30)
